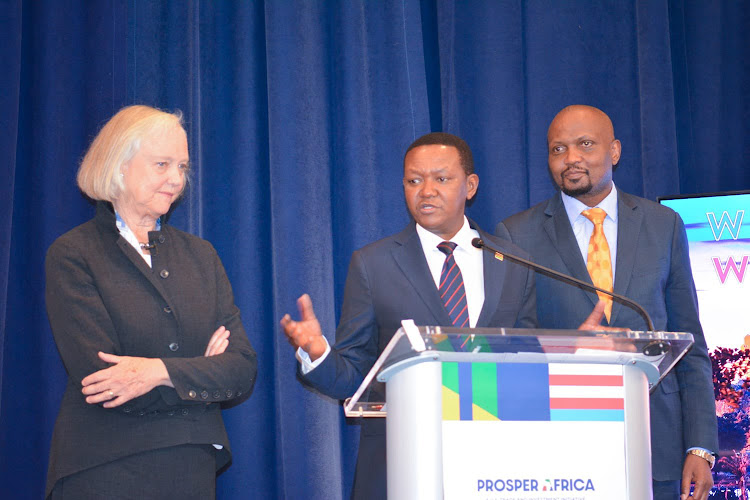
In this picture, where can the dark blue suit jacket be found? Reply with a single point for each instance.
(653, 268)
(389, 281)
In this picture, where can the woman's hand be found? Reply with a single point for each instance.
(127, 378)
(130, 377)
(218, 343)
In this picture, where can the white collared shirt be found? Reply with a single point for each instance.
(130, 237)
(583, 227)
(469, 260)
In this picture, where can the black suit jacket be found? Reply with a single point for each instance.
(102, 296)
(652, 268)
(389, 281)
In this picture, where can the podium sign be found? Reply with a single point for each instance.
(537, 431)
(519, 414)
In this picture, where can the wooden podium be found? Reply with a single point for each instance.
(518, 414)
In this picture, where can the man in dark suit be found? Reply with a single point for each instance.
(398, 278)
(646, 246)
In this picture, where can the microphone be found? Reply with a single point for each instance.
(150, 246)
(479, 243)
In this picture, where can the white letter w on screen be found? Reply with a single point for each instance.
(733, 226)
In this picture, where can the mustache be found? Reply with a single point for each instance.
(573, 169)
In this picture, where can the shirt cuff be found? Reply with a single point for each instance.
(305, 364)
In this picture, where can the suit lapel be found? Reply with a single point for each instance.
(629, 221)
(560, 232)
(106, 222)
(493, 271)
(410, 258)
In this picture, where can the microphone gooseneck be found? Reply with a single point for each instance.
(479, 243)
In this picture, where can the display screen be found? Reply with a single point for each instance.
(718, 233)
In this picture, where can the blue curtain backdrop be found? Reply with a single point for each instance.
(298, 114)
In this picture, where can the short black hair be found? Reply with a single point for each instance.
(446, 139)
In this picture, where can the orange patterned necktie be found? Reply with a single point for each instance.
(599, 262)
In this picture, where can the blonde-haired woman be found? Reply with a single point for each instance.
(141, 314)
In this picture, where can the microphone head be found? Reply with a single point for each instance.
(477, 242)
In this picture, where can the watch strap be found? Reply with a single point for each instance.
(705, 455)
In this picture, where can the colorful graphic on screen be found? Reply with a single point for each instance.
(718, 231)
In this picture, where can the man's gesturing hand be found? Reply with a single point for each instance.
(305, 333)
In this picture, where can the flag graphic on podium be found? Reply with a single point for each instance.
(533, 392)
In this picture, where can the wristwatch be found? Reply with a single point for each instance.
(705, 455)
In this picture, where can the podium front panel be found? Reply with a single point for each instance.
(533, 431)
(518, 431)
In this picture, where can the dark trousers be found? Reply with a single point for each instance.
(370, 476)
(177, 472)
(666, 490)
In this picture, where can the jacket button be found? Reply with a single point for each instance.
(164, 273)
(127, 409)
(229, 393)
(184, 411)
(170, 413)
(174, 346)
(217, 394)
(204, 394)
(162, 239)
(168, 310)
(141, 413)
(192, 394)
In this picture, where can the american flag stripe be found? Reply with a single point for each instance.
(578, 391)
(586, 404)
(584, 369)
(609, 380)
(587, 415)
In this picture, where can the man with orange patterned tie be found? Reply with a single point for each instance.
(636, 248)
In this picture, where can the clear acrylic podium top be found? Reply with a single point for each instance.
(655, 353)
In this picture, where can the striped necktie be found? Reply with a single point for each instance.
(451, 288)
(599, 261)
